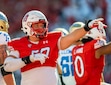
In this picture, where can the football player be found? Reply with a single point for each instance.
(87, 68)
(6, 78)
(36, 54)
(65, 67)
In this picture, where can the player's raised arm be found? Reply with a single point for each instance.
(103, 50)
(74, 36)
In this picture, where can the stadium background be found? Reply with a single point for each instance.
(60, 13)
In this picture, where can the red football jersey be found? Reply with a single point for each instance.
(88, 69)
(47, 45)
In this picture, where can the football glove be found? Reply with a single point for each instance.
(93, 23)
(38, 57)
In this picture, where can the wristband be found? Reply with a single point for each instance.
(86, 27)
(26, 60)
(4, 72)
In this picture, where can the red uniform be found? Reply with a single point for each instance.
(37, 73)
(88, 69)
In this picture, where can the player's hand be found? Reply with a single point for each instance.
(101, 25)
(95, 23)
(38, 57)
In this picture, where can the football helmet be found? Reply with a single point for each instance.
(76, 25)
(96, 32)
(31, 18)
(3, 22)
(63, 30)
(4, 37)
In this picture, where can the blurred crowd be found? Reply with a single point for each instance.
(60, 13)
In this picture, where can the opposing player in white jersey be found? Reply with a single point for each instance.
(66, 70)
(6, 78)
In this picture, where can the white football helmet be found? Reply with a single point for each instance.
(4, 38)
(34, 17)
(96, 32)
(63, 30)
(3, 22)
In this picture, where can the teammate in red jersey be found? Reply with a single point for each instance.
(87, 68)
(36, 54)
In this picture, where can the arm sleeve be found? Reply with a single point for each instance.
(12, 64)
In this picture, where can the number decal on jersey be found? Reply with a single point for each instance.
(46, 50)
(67, 67)
(79, 73)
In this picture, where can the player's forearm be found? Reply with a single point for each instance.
(72, 38)
(75, 35)
(9, 79)
(106, 49)
(103, 50)
(7, 76)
